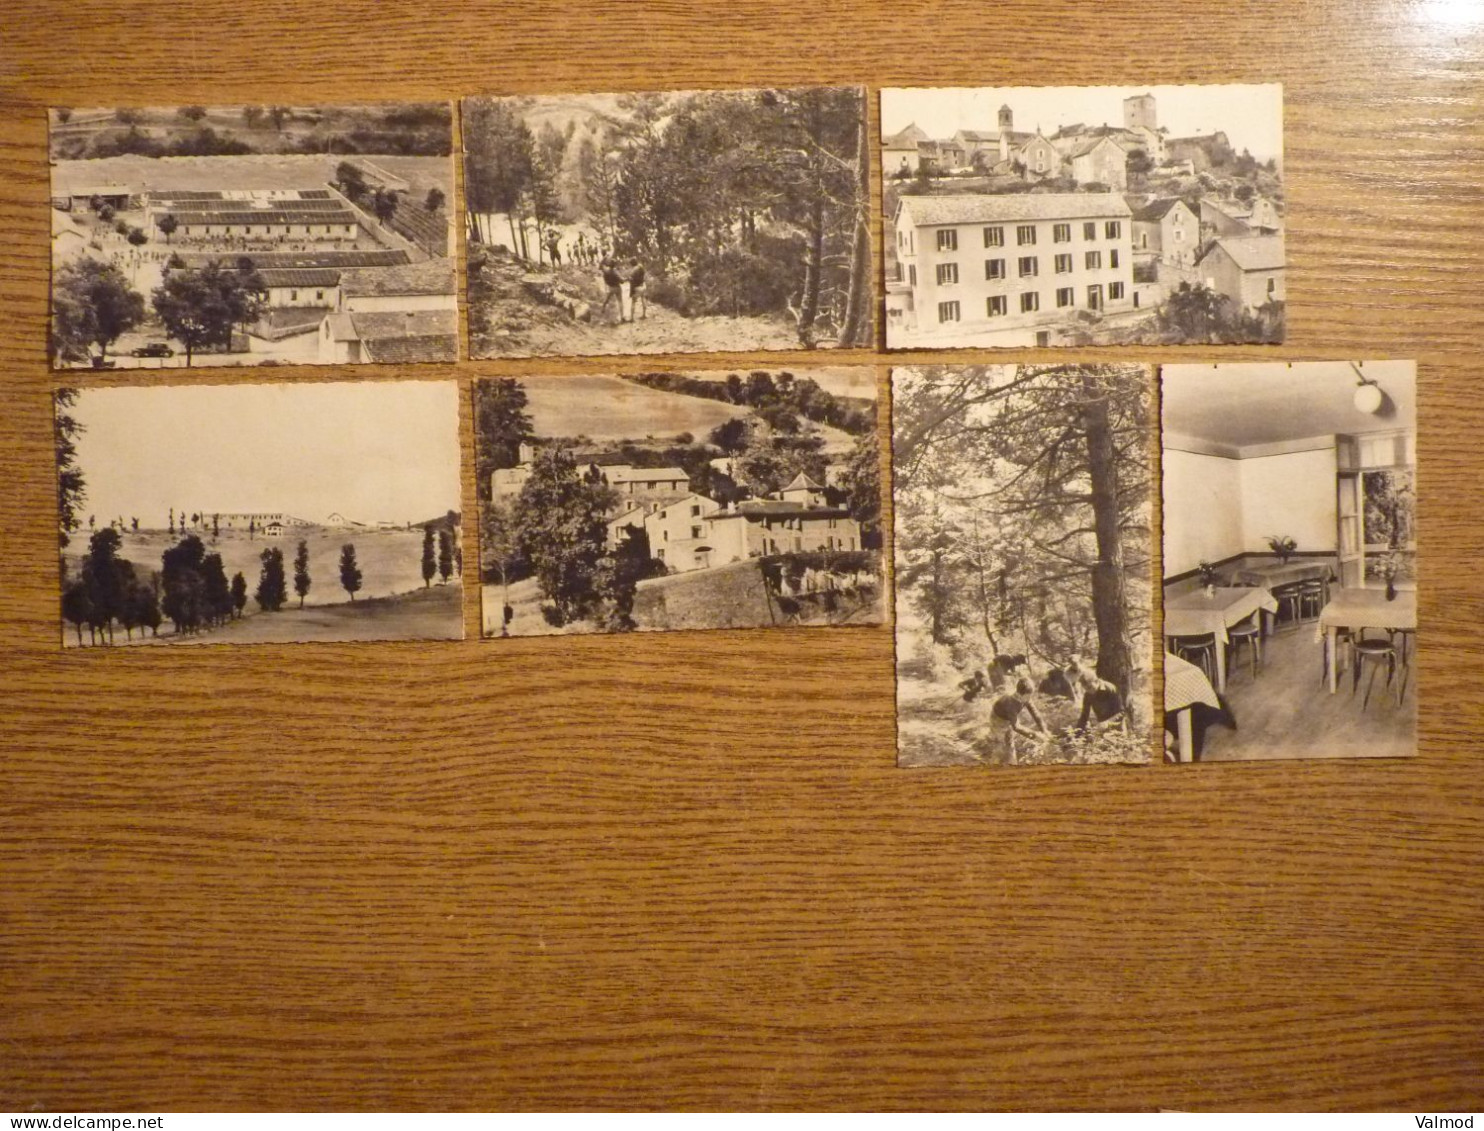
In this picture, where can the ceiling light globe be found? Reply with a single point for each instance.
(1368, 399)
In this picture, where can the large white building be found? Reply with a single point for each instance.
(1007, 270)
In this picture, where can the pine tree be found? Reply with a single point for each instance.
(239, 593)
(272, 591)
(430, 567)
(350, 574)
(445, 554)
(301, 572)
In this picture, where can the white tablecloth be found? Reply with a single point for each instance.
(1196, 614)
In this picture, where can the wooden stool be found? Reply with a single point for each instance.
(1287, 597)
(1311, 595)
(1249, 633)
(1365, 651)
(1199, 650)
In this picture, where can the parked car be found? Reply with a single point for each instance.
(153, 349)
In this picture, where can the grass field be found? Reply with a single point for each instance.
(432, 614)
(253, 171)
(390, 560)
(610, 408)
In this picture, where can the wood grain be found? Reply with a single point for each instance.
(682, 870)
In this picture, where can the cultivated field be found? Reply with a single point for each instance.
(610, 408)
(252, 171)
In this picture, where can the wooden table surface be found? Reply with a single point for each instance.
(682, 870)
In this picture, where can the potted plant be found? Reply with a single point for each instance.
(1282, 545)
(1390, 568)
(1208, 577)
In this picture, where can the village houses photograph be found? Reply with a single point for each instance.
(668, 222)
(1065, 216)
(252, 235)
(259, 514)
(679, 501)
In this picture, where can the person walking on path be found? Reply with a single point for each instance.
(613, 281)
(554, 248)
(636, 290)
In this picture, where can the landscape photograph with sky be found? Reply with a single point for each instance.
(259, 513)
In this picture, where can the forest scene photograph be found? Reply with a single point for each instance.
(679, 501)
(1022, 503)
(255, 514)
(680, 222)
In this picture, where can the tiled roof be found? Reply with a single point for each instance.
(644, 474)
(430, 277)
(277, 260)
(1254, 253)
(264, 216)
(772, 508)
(430, 347)
(1157, 209)
(379, 325)
(803, 482)
(300, 277)
(1088, 146)
(905, 138)
(929, 211)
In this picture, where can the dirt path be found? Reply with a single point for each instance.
(507, 321)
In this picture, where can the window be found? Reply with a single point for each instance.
(696, 531)
(1029, 266)
(1272, 286)
(1115, 291)
(947, 239)
(293, 296)
(319, 296)
(1112, 229)
(1064, 296)
(1025, 234)
(994, 268)
(1144, 240)
(1090, 230)
(1029, 301)
(947, 273)
(1113, 257)
(998, 305)
(948, 312)
(695, 510)
(994, 237)
(1094, 260)
(912, 274)
(1062, 233)
(1064, 264)
(660, 554)
(666, 534)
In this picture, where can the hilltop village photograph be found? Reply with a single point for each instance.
(679, 501)
(252, 235)
(1069, 216)
(273, 514)
(677, 222)
(1022, 498)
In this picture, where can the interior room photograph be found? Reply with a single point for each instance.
(1290, 559)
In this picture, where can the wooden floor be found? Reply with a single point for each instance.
(1286, 712)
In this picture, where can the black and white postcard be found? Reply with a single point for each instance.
(1064, 216)
(679, 500)
(1290, 560)
(680, 222)
(1021, 496)
(252, 235)
(248, 514)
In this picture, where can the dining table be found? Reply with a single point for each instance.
(1185, 686)
(1211, 611)
(1355, 609)
(1270, 575)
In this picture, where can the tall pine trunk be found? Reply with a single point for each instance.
(858, 298)
(813, 261)
(1115, 664)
